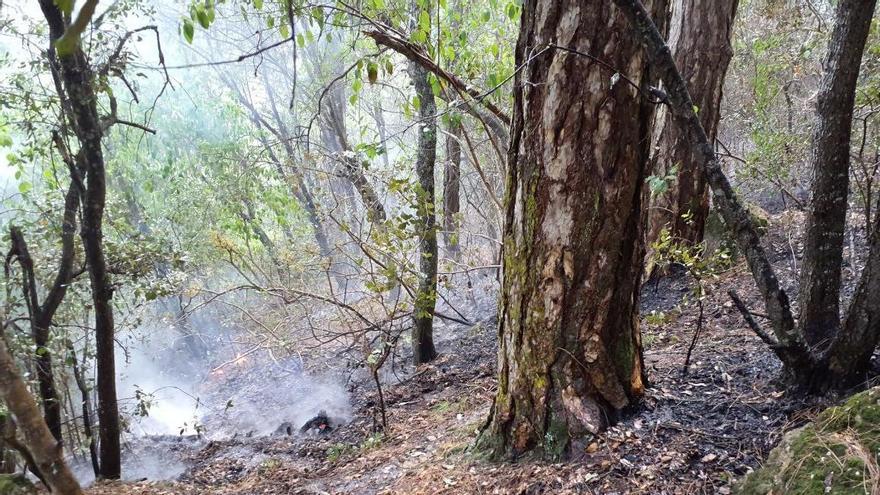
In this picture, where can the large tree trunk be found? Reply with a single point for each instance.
(820, 280)
(81, 107)
(702, 52)
(569, 347)
(41, 450)
(426, 157)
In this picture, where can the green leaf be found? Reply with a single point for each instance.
(189, 30)
(202, 17)
(425, 21)
(435, 84)
(512, 11)
(372, 72)
(258, 4)
(284, 31)
(448, 53)
(24, 187)
(318, 16)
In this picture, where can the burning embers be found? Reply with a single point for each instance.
(321, 424)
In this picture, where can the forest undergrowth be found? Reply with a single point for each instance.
(694, 432)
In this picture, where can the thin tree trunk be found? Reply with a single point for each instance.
(469, 99)
(41, 447)
(452, 188)
(41, 315)
(295, 180)
(39, 332)
(79, 93)
(702, 52)
(426, 295)
(569, 358)
(820, 279)
(87, 413)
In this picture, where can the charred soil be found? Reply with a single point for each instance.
(694, 432)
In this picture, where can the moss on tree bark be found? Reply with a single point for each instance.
(569, 347)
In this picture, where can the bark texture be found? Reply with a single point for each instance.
(426, 157)
(819, 295)
(79, 101)
(817, 368)
(702, 53)
(569, 347)
(785, 340)
(39, 447)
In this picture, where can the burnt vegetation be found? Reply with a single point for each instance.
(388, 246)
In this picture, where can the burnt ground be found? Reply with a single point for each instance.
(692, 433)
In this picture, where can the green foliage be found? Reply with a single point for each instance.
(698, 263)
(777, 62)
(658, 318)
(337, 451)
(204, 199)
(659, 185)
(340, 450)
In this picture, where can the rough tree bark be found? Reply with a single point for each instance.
(80, 103)
(841, 364)
(702, 52)
(426, 156)
(569, 358)
(40, 447)
(452, 188)
(820, 279)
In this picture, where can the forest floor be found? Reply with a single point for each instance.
(692, 433)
